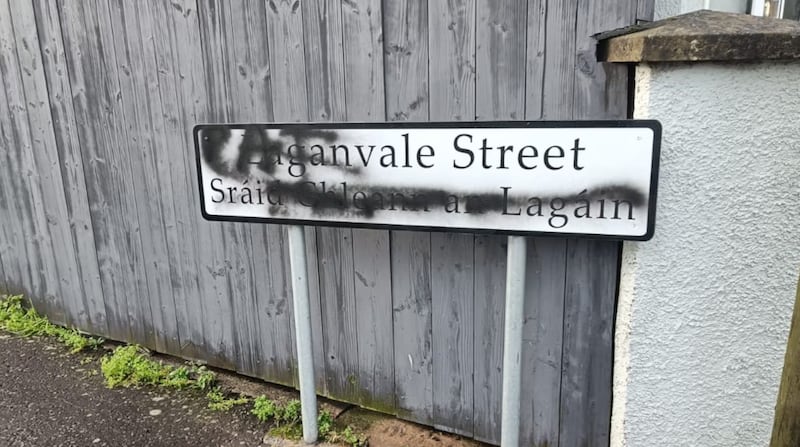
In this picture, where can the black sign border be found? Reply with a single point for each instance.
(654, 125)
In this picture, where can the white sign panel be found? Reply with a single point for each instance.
(583, 178)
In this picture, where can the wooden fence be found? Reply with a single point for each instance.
(100, 219)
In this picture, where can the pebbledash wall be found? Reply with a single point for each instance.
(704, 307)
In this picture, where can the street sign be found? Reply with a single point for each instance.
(582, 178)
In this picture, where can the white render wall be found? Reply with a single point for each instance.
(705, 306)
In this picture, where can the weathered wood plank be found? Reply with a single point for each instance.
(406, 97)
(452, 41)
(490, 288)
(645, 10)
(589, 304)
(452, 276)
(324, 59)
(31, 165)
(500, 87)
(290, 103)
(337, 296)
(70, 160)
(500, 58)
(592, 79)
(559, 69)
(373, 291)
(208, 93)
(413, 333)
(535, 61)
(141, 138)
(363, 50)
(542, 341)
(592, 265)
(52, 206)
(168, 22)
(127, 166)
(12, 249)
(199, 238)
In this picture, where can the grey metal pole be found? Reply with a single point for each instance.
(512, 340)
(302, 324)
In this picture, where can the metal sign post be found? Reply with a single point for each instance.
(302, 324)
(512, 340)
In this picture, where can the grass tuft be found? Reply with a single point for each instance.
(18, 320)
(286, 423)
(131, 366)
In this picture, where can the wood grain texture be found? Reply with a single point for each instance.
(593, 79)
(289, 103)
(199, 238)
(66, 143)
(559, 69)
(338, 304)
(645, 10)
(405, 57)
(28, 183)
(413, 333)
(325, 84)
(500, 94)
(95, 92)
(589, 303)
(452, 275)
(227, 94)
(490, 289)
(542, 342)
(13, 252)
(51, 206)
(363, 49)
(138, 137)
(452, 38)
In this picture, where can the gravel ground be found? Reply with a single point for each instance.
(48, 398)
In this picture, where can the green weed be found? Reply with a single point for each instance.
(286, 420)
(264, 409)
(131, 366)
(15, 318)
(218, 402)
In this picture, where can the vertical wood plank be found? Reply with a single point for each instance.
(199, 239)
(592, 266)
(95, 89)
(452, 276)
(535, 59)
(210, 93)
(413, 334)
(363, 47)
(501, 83)
(12, 248)
(490, 289)
(546, 265)
(406, 85)
(324, 59)
(42, 283)
(141, 137)
(168, 21)
(290, 103)
(594, 80)
(542, 341)
(645, 10)
(337, 296)
(52, 205)
(68, 146)
(452, 41)
(559, 69)
(589, 304)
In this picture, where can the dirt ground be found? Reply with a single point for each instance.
(49, 397)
